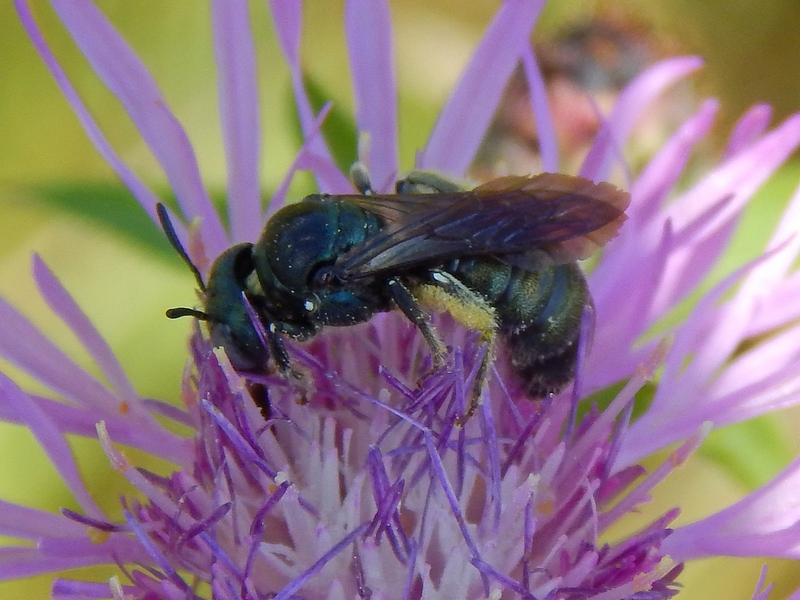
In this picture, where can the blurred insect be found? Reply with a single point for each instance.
(584, 67)
(500, 258)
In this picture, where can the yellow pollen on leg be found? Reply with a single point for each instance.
(478, 316)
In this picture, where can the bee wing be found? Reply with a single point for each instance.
(565, 216)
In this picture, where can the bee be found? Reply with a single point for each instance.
(501, 258)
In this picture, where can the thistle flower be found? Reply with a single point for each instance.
(360, 484)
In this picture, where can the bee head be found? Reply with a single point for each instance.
(231, 320)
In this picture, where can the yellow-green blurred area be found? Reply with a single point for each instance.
(58, 198)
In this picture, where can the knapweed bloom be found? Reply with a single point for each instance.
(360, 483)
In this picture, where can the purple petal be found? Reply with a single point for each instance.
(20, 562)
(155, 495)
(701, 229)
(778, 308)
(464, 119)
(749, 128)
(30, 524)
(79, 421)
(85, 551)
(620, 309)
(741, 176)
(705, 217)
(121, 70)
(763, 591)
(288, 25)
(763, 379)
(278, 199)
(51, 441)
(785, 233)
(545, 129)
(691, 259)
(627, 262)
(288, 16)
(676, 411)
(146, 198)
(67, 589)
(61, 303)
(764, 523)
(632, 101)
(24, 345)
(289, 591)
(238, 98)
(369, 40)
(303, 160)
(664, 170)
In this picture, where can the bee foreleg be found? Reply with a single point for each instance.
(278, 349)
(410, 307)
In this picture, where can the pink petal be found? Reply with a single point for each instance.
(238, 97)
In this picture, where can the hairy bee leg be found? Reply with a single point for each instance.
(360, 178)
(410, 307)
(479, 315)
(278, 349)
(284, 364)
(279, 352)
(260, 395)
(425, 182)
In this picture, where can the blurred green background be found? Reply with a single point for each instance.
(59, 198)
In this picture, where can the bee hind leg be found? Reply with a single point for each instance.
(446, 292)
(411, 308)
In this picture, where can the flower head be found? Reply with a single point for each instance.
(360, 482)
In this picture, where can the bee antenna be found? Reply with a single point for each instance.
(182, 311)
(175, 242)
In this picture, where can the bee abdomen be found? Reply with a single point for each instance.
(539, 316)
